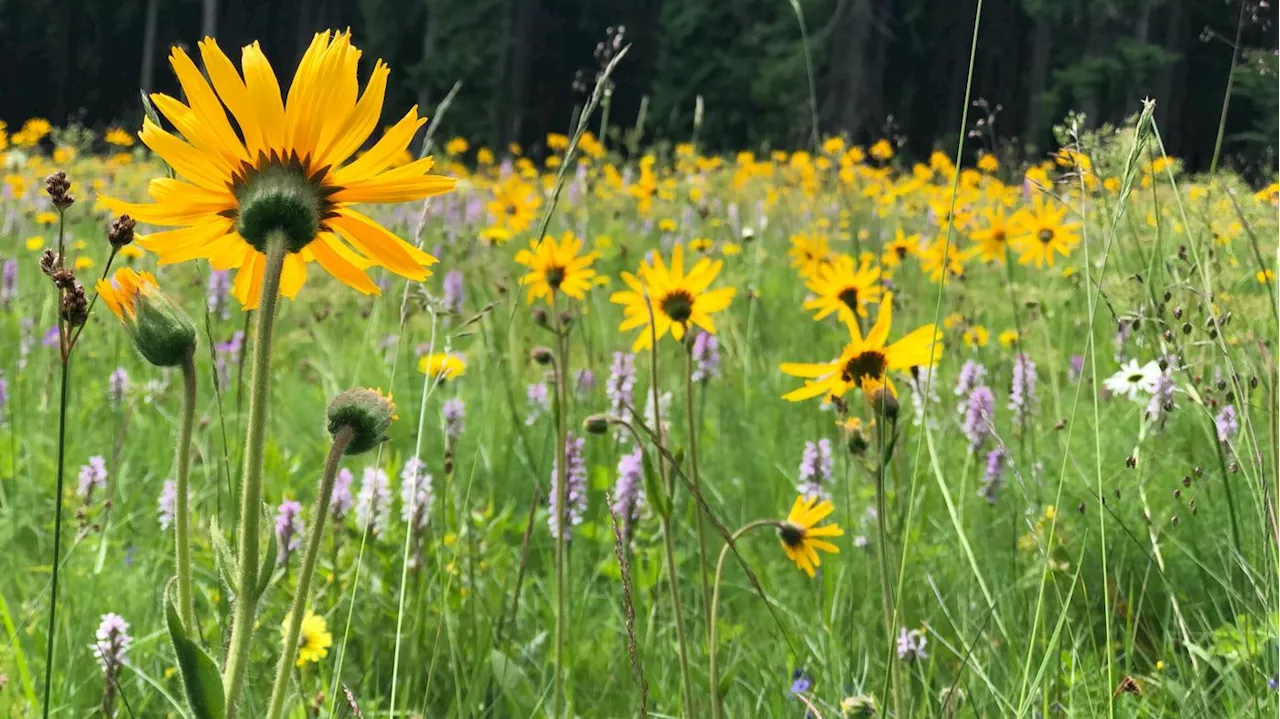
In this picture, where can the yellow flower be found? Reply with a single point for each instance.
(603, 242)
(314, 639)
(1111, 184)
(131, 252)
(514, 205)
(63, 155)
(1007, 338)
(557, 142)
(730, 249)
(667, 224)
(118, 137)
(83, 263)
(1265, 276)
(442, 366)
(833, 146)
(882, 150)
(556, 268)
(902, 247)
(35, 242)
(801, 537)
(1269, 194)
(121, 294)
(1044, 234)
(456, 146)
(952, 320)
(988, 162)
(484, 156)
(284, 171)
(495, 235)
(678, 299)
(46, 218)
(994, 236)
(942, 257)
(865, 360)
(841, 287)
(808, 253)
(976, 336)
(700, 244)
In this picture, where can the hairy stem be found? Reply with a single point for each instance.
(290, 650)
(712, 672)
(182, 517)
(251, 478)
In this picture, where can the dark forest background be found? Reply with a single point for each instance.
(883, 67)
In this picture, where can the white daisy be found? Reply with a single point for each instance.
(1133, 381)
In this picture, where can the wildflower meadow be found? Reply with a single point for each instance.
(308, 409)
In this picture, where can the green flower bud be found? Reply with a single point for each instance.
(279, 199)
(367, 412)
(596, 424)
(160, 329)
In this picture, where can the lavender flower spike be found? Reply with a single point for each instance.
(575, 488)
(289, 530)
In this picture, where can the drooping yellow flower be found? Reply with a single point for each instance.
(314, 638)
(865, 361)
(679, 299)
(515, 204)
(801, 537)
(282, 169)
(808, 253)
(442, 365)
(842, 287)
(121, 293)
(556, 267)
(1044, 234)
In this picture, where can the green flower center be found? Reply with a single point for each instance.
(280, 196)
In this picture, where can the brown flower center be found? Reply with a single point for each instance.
(1046, 235)
(555, 276)
(849, 296)
(791, 535)
(678, 305)
(866, 365)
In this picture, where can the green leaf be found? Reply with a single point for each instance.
(201, 679)
(224, 558)
(654, 492)
(510, 678)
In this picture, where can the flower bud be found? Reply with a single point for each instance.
(596, 424)
(541, 355)
(121, 232)
(160, 329)
(279, 200)
(883, 402)
(367, 412)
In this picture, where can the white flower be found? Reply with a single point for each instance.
(1132, 380)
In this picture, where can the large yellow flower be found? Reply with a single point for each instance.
(799, 534)
(282, 169)
(842, 287)
(678, 299)
(442, 366)
(993, 236)
(556, 267)
(1044, 234)
(865, 361)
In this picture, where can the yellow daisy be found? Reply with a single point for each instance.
(808, 253)
(118, 137)
(282, 169)
(1044, 235)
(902, 247)
(842, 287)
(556, 268)
(865, 361)
(515, 204)
(993, 236)
(800, 537)
(679, 299)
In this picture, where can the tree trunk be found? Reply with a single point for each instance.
(1038, 74)
(209, 19)
(149, 46)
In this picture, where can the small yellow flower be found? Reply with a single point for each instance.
(557, 142)
(952, 320)
(667, 224)
(46, 218)
(700, 244)
(314, 638)
(976, 336)
(118, 137)
(35, 242)
(1263, 276)
(484, 156)
(1160, 665)
(730, 249)
(988, 163)
(1008, 337)
(63, 155)
(801, 538)
(456, 146)
(882, 150)
(442, 366)
(83, 263)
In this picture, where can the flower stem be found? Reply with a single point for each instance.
(182, 518)
(340, 441)
(562, 476)
(697, 484)
(251, 478)
(712, 672)
(57, 536)
(882, 556)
